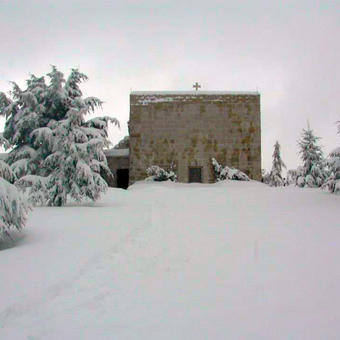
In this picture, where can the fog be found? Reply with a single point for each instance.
(287, 51)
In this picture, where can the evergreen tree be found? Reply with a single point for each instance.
(333, 181)
(23, 111)
(13, 206)
(333, 162)
(60, 153)
(275, 177)
(265, 176)
(312, 173)
(5, 170)
(77, 158)
(291, 176)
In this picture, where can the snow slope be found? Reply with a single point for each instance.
(235, 260)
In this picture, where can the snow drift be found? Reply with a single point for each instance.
(163, 260)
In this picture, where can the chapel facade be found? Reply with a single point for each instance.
(186, 130)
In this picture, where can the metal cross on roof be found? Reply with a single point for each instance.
(196, 86)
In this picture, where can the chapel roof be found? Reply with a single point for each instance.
(199, 93)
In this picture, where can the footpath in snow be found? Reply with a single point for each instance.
(235, 260)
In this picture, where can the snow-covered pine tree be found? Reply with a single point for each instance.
(13, 205)
(312, 174)
(333, 161)
(265, 176)
(5, 170)
(333, 181)
(76, 145)
(77, 158)
(291, 176)
(23, 111)
(275, 177)
(61, 147)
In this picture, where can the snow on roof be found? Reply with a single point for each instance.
(199, 93)
(117, 152)
(146, 97)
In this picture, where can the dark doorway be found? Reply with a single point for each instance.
(195, 174)
(123, 178)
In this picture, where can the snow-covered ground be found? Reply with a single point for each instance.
(236, 260)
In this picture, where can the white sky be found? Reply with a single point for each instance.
(288, 50)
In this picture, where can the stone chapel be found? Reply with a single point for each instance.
(188, 128)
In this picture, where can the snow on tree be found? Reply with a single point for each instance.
(159, 174)
(13, 205)
(76, 146)
(23, 112)
(333, 161)
(275, 177)
(333, 181)
(77, 158)
(123, 144)
(4, 142)
(36, 187)
(292, 176)
(223, 173)
(6, 172)
(13, 208)
(57, 143)
(312, 173)
(265, 176)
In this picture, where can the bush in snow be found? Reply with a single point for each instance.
(312, 173)
(333, 162)
(265, 176)
(46, 125)
(333, 181)
(13, 206)
(223, 173)
(159, 174)
(291, 176)
(35, 186)
(6, 172)
(275, 176)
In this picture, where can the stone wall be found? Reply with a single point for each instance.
(191, 128)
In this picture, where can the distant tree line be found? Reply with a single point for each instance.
(316, 171)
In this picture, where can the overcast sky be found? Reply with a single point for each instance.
(288, 50)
